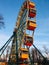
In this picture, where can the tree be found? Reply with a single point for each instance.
(1, 21)
(46, 50)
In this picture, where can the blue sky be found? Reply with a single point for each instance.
(10, 9)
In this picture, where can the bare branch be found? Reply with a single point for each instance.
(1, 21)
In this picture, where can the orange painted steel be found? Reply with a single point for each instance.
(28, 40)
(32, 13)
(3, 63)
(31, 25)
(24, 53)
(30, 5)
(23, 64)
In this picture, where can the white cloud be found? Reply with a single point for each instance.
(3, 39)
(41, 34)
(39, 45)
